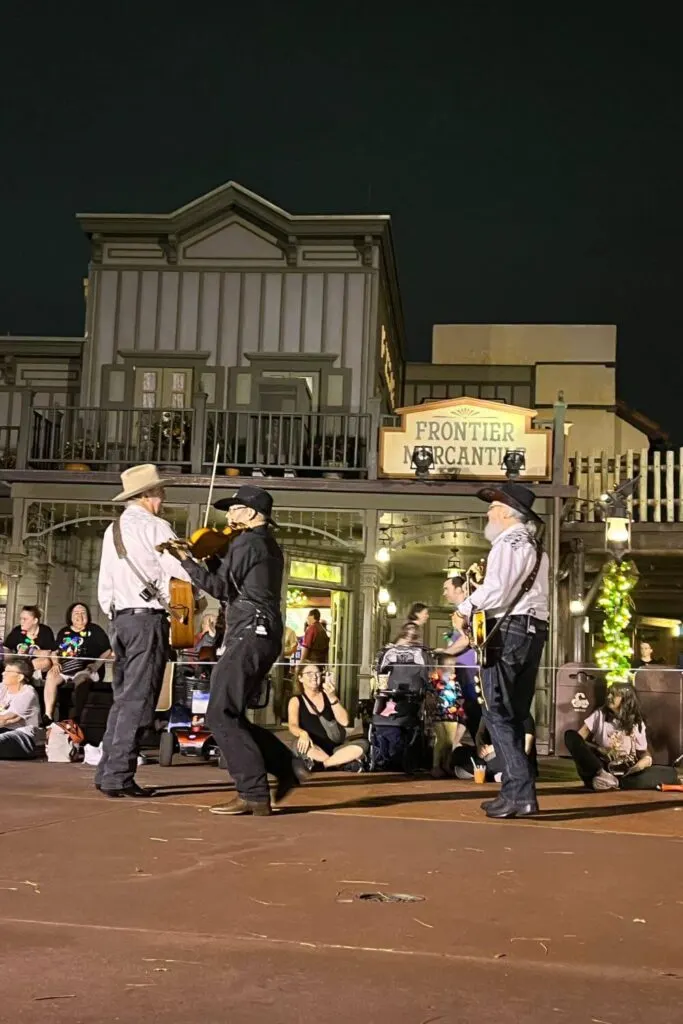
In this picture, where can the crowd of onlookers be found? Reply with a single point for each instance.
(41, 670)
(44, 674)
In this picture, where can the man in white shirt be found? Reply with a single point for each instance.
(517, 576)
(133, 591)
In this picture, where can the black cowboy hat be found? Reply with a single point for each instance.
(515, 495)
(251, 497)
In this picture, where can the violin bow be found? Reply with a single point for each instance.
(213, 481)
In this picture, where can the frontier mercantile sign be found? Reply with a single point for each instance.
(468, 439)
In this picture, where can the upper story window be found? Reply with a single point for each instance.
(163, 388)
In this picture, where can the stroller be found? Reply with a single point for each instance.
(396, 732)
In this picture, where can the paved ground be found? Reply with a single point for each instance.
(123, 911)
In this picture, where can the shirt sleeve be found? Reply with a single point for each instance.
(640, 738)
(171, 568)
(591, 722)
(216, 583)
(25, 703)
(309, 637)
(105, 581)
(100, 641)
(12, 639)
(505, 573)
(46, 639)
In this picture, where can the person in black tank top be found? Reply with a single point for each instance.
(318, 721)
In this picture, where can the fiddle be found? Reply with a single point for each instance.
(206, 542)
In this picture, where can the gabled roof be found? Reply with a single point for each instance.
(288, 227)
(223, 200)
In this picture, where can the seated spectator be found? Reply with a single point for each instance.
(32, 637)
(610, 749)
(206, 641)
(318, 721)
(21, 736)
(483, 754)
(445, 714)
(80, 651)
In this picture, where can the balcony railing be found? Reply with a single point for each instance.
(657, 495)
(307, 444)
(185, 440)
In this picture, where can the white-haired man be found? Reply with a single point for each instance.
(514, 596)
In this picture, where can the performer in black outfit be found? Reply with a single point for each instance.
(248, 580)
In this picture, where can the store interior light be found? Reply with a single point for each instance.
(392, 609)
(384, 551)
(383, 597)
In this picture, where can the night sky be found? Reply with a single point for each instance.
(532, 165)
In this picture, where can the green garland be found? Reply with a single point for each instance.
(614, 657)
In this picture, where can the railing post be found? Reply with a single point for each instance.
(198, 444)
(25, 428)
(374, 408)
(559, 415)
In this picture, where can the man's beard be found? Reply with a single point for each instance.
(493, 530)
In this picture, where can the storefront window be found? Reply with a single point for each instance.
(322, 571)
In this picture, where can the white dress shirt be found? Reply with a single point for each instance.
(512, 558)
(118, 586)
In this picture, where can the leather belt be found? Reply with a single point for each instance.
(139, 611)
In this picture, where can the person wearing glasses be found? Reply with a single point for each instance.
(318, 721)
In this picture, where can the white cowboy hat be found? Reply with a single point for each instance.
(138, 479)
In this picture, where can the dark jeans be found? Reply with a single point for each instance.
(250, 751)
(589, 762)
(140, 644)
(509, 679)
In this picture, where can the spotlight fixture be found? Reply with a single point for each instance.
(422, 459)
(577, 607)
(514, 462)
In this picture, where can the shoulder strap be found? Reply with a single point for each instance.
(123, 554)
(525, 588)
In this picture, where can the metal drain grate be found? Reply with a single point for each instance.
(389, 897)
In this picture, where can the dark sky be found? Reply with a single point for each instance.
(532, 165)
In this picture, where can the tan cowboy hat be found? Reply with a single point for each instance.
(138, 480)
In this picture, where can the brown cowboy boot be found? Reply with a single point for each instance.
(259, 809)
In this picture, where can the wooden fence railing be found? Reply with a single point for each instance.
(657, 495)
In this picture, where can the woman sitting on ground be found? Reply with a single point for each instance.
(21, 734)
(610, 749)
(318, 721)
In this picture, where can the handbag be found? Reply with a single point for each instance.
(335, 732)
